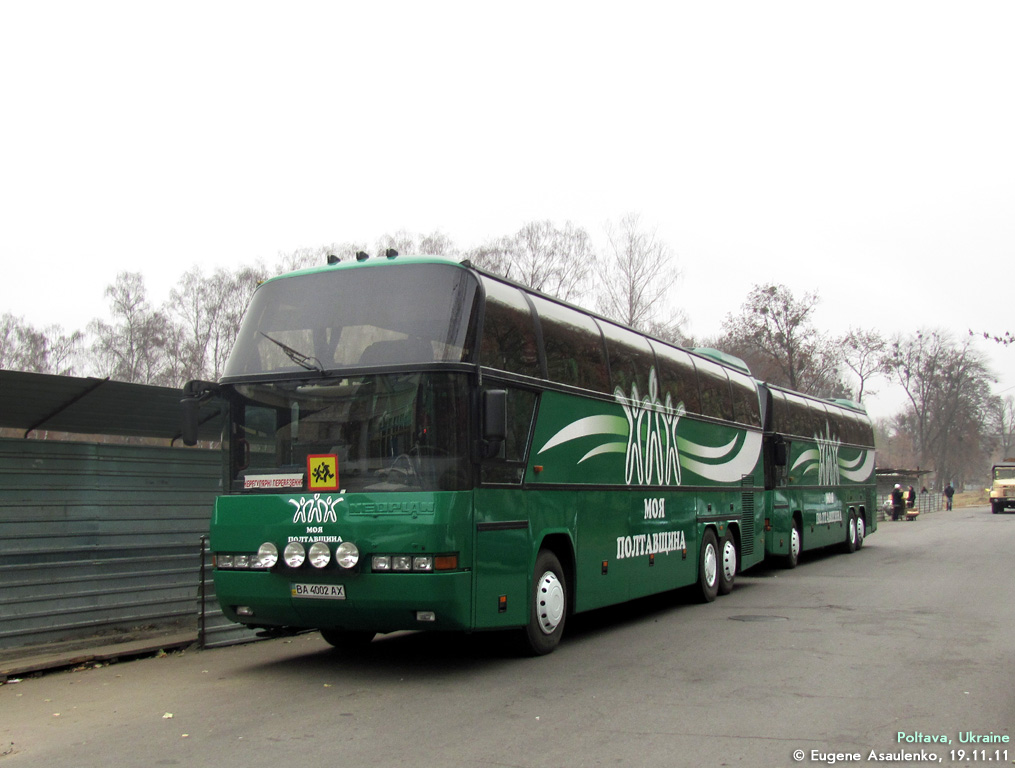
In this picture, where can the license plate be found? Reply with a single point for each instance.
(319, 591)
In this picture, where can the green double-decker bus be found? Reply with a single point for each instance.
(414, 443)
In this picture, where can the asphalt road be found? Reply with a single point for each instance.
(912, 634)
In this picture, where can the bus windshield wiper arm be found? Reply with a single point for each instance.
(304, 361)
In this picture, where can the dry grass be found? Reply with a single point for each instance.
(971, 499)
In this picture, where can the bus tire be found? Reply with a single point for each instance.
(795, 545)
(347, 640)
(708, 567)
(861, 531)
(727, 563)
(548, 606)
(849, 545)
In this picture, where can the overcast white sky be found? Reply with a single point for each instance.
(863, 150)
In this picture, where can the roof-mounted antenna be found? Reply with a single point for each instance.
(391, 253)
(362, 255)
(333, 259)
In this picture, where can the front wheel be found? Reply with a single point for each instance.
(727, 564)
(708, 567)
(548, 609)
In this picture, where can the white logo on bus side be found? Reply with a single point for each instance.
(655, 509)
(650, 544)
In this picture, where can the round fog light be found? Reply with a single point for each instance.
(294, 554)
(347, 554)
(319, 554)
(267, 555)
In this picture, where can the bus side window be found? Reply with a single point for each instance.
(509, 335)
(676, 377)
(745, 399)
(573, 345)
(716, 398)
(631, 359)
(799, 418)
(509, 465)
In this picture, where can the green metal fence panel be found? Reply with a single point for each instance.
(214, 629)
(100, 538)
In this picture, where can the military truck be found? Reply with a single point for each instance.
(1002, 487)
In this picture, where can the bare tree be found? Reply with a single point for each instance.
(437, 244)
(195, 304)
(493, 256)
(555, 260)
(948, 386)
(407, 243)
(1004, 339)
(636, 276)
(1002, 422)
(865, 353)
(24, 348)
(775, 336)
(134, 347)
(403, 241)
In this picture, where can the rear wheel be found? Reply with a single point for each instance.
(548, 609)
(849, 545)
(861, 531)
(727, 563)
(708, 567)
(795, 545)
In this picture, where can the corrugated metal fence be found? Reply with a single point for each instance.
(100, 538)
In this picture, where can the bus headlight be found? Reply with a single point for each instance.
(319, 554)
(347, 554)
(267, 556)
(294, 554)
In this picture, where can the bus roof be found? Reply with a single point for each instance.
(370, 261)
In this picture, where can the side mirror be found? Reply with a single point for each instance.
(494, 415)
(194, 393)
(190, 407)
(779, 453)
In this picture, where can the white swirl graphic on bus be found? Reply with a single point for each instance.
(830, 468)
(654, 455)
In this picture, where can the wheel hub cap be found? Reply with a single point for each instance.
(710, 565)
(549, 602)
(729, 560)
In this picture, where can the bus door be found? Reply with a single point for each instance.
(779, 519)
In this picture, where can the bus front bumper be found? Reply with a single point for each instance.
(360, 602)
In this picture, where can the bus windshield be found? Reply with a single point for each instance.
(388, 432)
(342, 318)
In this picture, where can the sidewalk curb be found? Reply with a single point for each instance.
(44, 662)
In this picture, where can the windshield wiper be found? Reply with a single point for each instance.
(304, 361)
